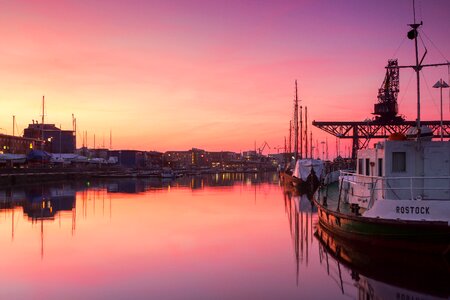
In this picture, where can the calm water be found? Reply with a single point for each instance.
(216, 237)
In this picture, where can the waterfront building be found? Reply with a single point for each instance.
(177, 159)
(18, 145)
(129, 158)
(154, 159)
(55, 139)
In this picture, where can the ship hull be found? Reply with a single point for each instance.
(303, 187)
(432, 236)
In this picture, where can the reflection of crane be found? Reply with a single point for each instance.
(261, 149)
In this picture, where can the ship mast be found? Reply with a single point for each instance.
(413, 34)
(296, 123)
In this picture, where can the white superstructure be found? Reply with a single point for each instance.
(401, 179)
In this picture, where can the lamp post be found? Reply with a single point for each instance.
(441, 84)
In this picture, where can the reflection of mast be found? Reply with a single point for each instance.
(12, 227)
(42, 239)
(110, 209)
(322, 250)
(296, 124)
(74, 219)
(306, 235)
(103, 202)
(296, 245)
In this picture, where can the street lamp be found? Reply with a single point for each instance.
(441, 84)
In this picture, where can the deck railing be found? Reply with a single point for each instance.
(399, 188)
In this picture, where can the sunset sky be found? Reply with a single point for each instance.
(216, 75)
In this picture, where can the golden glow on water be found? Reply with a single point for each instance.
(201, 237)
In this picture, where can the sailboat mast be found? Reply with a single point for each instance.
(296, 123)
(290, 138)
(301, 134)
(42, 125)
(306, 132)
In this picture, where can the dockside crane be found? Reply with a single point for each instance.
(261, 149)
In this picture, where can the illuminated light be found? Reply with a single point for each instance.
(43, 204)
(4, 147)
(31, 145)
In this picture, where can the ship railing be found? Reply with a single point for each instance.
(400, 188)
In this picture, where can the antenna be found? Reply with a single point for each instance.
(14, 122)
(42, 125)
(110, 139)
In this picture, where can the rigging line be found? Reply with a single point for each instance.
(434, 45)
(429, 92)
(399, 46)
(420, 10)
(425, 47)
(407, 87)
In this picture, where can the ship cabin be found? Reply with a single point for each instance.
(399, 170)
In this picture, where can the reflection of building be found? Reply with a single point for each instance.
(56, 140)
(17, 144)
(45, 205)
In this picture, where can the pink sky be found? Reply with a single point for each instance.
(218, 75)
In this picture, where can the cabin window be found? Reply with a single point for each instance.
(360, 166)
(380, 167)
(398, 161)
(367, 166)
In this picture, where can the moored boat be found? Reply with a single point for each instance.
(400, 191)
(302, 174)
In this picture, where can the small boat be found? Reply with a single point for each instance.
(12, 158)
(167, 173)
(306, 177)
(399, 193)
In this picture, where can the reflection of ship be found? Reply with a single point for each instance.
(300, 217)
(385, 273)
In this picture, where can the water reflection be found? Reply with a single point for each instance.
(300, 210)
(380, 273)
(212, 237)
(362, 272)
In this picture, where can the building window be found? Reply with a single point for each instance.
(360, 166)
(398, 161)
(367, 166)
(380, 167)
